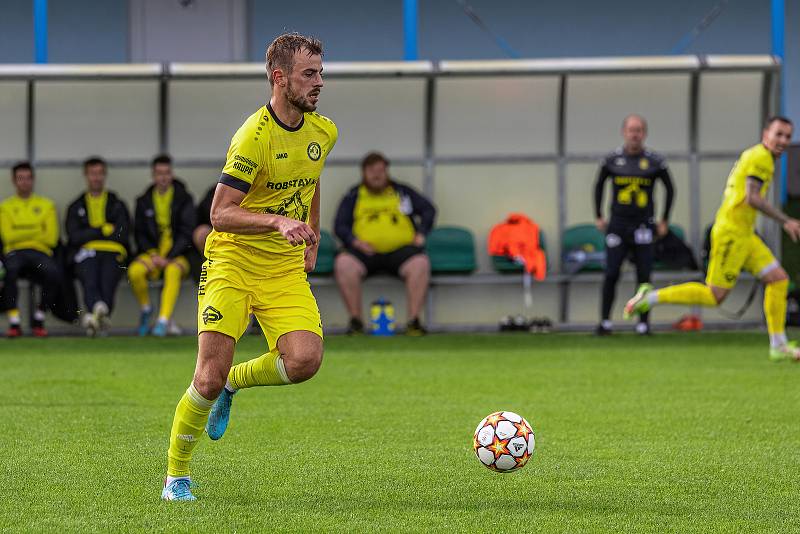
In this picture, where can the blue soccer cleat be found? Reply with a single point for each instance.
(144, 322)
(179, 489)
(219, 415)
(160, 329)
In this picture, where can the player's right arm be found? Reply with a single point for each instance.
(755, 200)
(227, 215)
(246, 158)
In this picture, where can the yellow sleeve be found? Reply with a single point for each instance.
(760, 165)
(50, 224)
(5, 226)
(245, 157)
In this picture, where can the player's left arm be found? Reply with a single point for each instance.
(755, 200)
(666, 179)
(310, 253)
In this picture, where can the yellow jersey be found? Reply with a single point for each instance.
(28, 223)
(380, 220)
(162, 204)
(735, 213)
(96, 211)
(278, 168)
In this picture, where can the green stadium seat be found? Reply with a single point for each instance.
(584, 238)
(326, 253)
(451, 249)
(504, 265)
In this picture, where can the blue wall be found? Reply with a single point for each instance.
(90, 31)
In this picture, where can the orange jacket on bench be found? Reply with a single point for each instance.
(518, 238)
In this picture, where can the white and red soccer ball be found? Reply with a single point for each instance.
(504, 441)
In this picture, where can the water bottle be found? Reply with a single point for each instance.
(382, 318)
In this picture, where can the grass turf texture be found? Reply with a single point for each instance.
(673, 433)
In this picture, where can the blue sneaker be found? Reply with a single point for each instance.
(144, 322)
(179, 489)
(219, 415)
(160, 329)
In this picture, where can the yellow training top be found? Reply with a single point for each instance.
(278, 167)
(735, 213)
(162, 204)
(96, 210)
(379, 220)
(28, 223)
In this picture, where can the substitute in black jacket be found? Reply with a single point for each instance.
(163, 227)
(97, 224)
(383, 225)
(634, 171)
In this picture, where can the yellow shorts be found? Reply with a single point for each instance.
(154, 273)
(228, 294)
(731, 252)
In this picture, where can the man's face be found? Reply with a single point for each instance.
(23, 182)
(162, 176)
(376, 176)
(95, 177)
(304, 82)
(777, 136)
(634, 132)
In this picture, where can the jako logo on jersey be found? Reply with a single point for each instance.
(281, 155)
(211, 315)
(300, 182)
(314, 151)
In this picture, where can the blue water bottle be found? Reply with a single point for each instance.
(381, 318)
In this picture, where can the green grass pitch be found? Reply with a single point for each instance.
(675, 433)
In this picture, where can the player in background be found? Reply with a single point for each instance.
(735, 246)
(634, 171)
(265, 215)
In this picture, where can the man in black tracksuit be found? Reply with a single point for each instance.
(97, 231)
(633, 170)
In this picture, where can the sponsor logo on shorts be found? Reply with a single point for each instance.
(314, 151)
(730, 277)
(211, 315)
(613, 240)
(201, 286)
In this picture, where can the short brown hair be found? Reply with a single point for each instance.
(161, 159)
(94, 160)
(280, 54)
(372, 158)
(777, 118)
(21, 166)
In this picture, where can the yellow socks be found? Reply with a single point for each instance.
(173, 275)
(187, 429)
(775, 306)
(137, 275)
(266, 370)
(690, 293)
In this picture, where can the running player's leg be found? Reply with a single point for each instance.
(214, 357)
(729, 251)
(762, 264)
(616, 252)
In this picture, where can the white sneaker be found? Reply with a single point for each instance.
(90, 324)
(100, 312)
(173, 329)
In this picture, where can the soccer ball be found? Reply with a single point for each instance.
(503, 441)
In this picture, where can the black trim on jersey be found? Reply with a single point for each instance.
(236, 183)
(281, 124)
(756, 178)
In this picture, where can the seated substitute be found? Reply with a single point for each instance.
(163, 225)
(383, 225)
(29, 232)
(97, 225)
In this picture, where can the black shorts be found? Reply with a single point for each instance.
(388, 263)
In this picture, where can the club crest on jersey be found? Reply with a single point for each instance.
(619, 162)
(644, 164)
(211, 315)
(314, 151)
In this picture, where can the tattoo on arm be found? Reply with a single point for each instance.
(754, 199)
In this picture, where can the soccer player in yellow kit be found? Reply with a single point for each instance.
(265, 216)
(735, 246)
